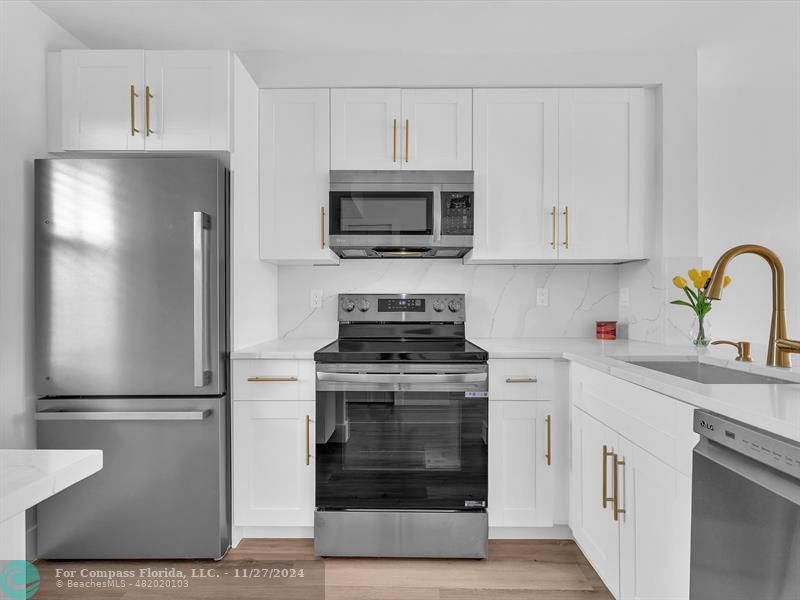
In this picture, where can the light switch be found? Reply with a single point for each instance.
(542, 297)
(316, 298)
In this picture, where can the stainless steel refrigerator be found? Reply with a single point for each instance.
(131, 288)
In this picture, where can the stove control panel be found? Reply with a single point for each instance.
(402, 308)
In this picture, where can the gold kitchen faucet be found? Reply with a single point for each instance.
(780, 346)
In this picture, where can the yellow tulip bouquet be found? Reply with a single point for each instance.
(698, 301)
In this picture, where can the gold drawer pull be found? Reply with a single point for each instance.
(553, 237)
(394, 140)
(322, 227)
(134, 95)
(522, 380)
(271, 379)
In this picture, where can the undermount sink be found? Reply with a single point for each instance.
(707, 374)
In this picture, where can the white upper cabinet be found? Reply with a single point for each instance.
(130, 100)
(390, 129)
(437, 129)
(515, 162)
(189, 102)
(102, 104)
(601, 173)
(366, 129)
(294, 164)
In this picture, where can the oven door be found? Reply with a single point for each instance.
(407, 437)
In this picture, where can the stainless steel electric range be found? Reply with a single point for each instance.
(402, 410)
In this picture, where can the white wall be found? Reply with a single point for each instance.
(26, 34)
(749, 142)
(254, 311)
(501, 300)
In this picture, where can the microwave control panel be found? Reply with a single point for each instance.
(457, 213)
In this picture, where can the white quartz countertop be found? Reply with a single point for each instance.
(29, 476)
(772, 407)
(293, 348)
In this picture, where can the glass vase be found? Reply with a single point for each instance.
(699, 333)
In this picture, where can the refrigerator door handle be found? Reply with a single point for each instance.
(154, 415)
(201, 222)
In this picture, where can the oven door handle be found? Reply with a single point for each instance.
(402, 377)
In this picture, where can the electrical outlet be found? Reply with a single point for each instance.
(542, 297)
(624, 296)
(316, 298)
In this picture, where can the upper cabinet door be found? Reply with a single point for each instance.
(102, 99)
(601, 176)
(366, 129)
(515, 162)
(437, 129)
(188, 107)
(294, 165)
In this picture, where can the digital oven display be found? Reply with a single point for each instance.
(401, 305)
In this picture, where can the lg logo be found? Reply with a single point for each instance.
(705, 425)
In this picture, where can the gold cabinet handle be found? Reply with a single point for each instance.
(265, 379)
(406, 140)
(308, 440)
(322, 227)
(394, 140)
(134, 131)
(617, 464)
(553, 236)
(521, 380)
(147, 96)
(566, 227)
(549, 454)
(605, 496)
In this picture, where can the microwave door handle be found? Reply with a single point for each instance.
(437, 213)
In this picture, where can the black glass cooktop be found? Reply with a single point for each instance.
(372, 350)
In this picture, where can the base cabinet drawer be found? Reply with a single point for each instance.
(273, 463)
(273, 380)
(521, 379)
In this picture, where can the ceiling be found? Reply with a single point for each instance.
(418, 26)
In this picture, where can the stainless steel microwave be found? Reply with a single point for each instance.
(401, 214)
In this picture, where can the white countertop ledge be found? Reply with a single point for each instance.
(285, 349)
(29, 476)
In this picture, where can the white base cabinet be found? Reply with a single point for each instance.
(631, 485)
(521, 492)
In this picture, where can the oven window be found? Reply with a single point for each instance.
(381, 213)
(397, 450)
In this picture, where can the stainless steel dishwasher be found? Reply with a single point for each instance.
(745, 513)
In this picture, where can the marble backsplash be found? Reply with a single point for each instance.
(501, 299)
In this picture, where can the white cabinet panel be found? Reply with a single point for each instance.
(366, 129)
(601, 173)
(189, 104)
(655, 530)
(272, 484)
(515, 163)
(521, 482)
(592, 520)
(294, 167)
(102, 99)
(437, 129)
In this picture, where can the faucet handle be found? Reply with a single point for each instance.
(742, 349)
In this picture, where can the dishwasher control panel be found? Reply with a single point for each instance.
(778, 452)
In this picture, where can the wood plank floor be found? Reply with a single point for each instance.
(515, 570)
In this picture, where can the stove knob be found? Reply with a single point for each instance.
(348, 305)
(363, 305)
(455, 305)
(438, 305)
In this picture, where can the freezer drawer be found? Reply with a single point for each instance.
(163, 489)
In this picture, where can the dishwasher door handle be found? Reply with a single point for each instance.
(151, 415)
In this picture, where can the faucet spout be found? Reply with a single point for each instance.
(780, 346)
